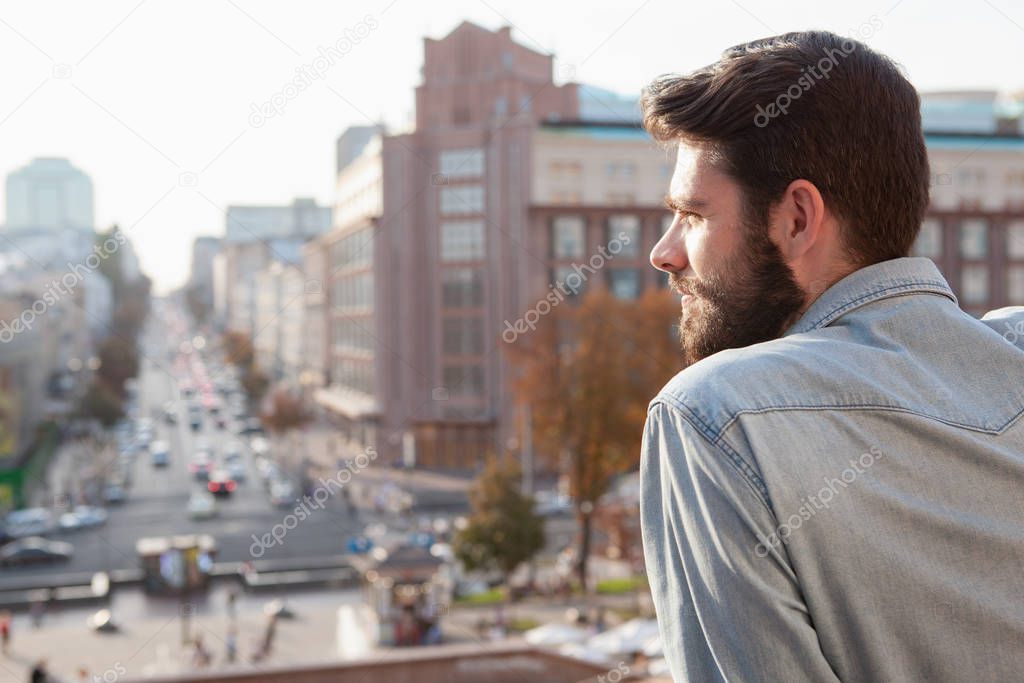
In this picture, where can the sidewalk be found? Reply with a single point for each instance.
(150, 640)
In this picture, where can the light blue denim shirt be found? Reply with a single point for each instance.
(846, 502)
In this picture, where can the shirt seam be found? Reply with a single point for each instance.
(870, 406)
(746, 471)
(931, 286)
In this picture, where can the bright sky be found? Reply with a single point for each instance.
(141, 95)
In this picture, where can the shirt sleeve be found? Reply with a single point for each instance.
(729, 607)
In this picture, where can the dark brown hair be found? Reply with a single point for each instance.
(811, 105)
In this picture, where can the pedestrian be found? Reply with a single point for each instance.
(232, 598)
(36, 610)
(200, 655)
(38, 673)
(5, 630)
(231, 644)
(831, 488)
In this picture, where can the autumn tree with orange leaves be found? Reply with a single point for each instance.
(588, 373)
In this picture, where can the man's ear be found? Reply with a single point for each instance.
(798, 219)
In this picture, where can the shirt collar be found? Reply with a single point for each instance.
(878, 281)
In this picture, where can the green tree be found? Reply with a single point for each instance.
(504, 530)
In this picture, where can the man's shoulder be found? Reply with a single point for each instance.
(1009, 322)
(781, 373)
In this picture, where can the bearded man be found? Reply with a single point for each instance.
(833, 488)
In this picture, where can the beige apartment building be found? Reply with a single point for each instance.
(444, 233)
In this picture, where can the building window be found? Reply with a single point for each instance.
(974, 284)
(565, 198)
(1015, 285)
(1015, 240)
(500, 106)
(462, 287)
(462, 336)
(624, 282)
(565, 169)
(567, 237)
(568, 281)
(974, 238)
(463, 381)
(354, 292)
(462, 241)
(929, 239)
(624, 170)
(462, 199)
(621, 198)
(625, 229)
(462, 163)
(354, 250)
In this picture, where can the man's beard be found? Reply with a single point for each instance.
(754, 300)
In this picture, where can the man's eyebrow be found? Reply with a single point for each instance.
(683, 205)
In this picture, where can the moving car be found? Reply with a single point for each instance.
(236, 468)
(82, 517)
(35, 550)
(259, 445)
(201, 506)
(201, 465)
(282, 493)
(221, 483)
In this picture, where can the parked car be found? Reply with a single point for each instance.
(82, 517)
(221, 483)
(552, 503)
(28, 522)
(251, 426)
(201, 506)
(160, 453)
(35, 550)
(114, 492)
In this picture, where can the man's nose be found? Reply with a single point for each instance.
(669, 254)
